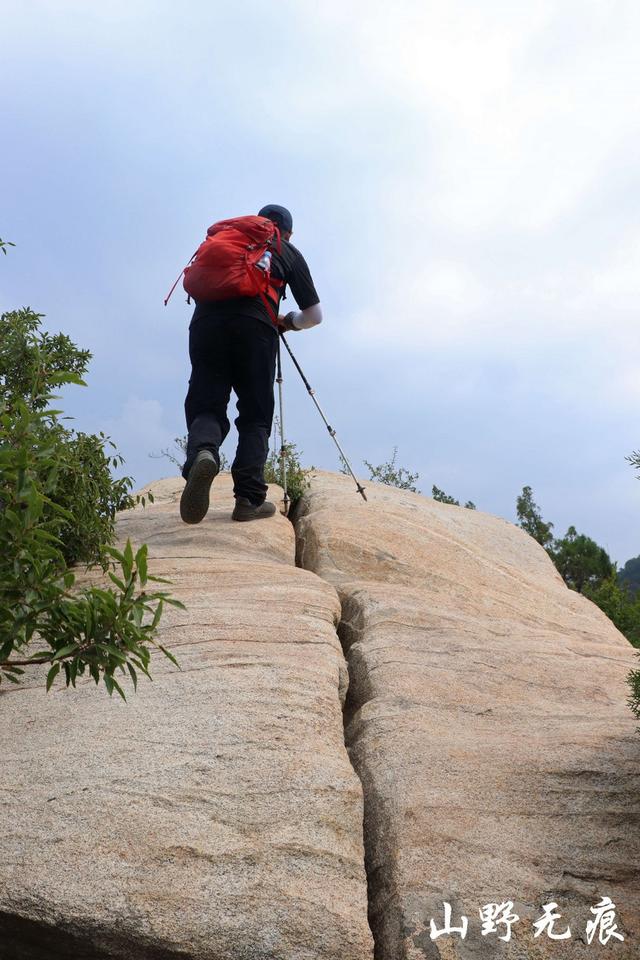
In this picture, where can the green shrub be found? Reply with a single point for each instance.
(297, 475)
(58, 503)
(620, 605)
(32, 362)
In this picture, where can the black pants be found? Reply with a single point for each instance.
(228, 353)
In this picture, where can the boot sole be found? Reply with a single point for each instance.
(194, 501)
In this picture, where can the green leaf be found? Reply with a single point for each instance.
(134, 676)
(65, 651)
(175, 603)
(127, 559)
(141, 563)
(113, 651)
(119, 583)
(6, 648)
(52, 674)
(170, 656)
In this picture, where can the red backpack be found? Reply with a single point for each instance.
(225, 265)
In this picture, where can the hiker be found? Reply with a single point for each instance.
(233, 344)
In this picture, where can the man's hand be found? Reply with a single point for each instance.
(284, 322)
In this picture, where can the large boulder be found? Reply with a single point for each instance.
(215, 815)
(487, 720)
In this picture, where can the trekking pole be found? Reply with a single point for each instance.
(332, 432)
(283, 452)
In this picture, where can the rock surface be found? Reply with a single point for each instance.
(486, 718)
(215, 814)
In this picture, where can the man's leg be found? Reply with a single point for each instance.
(206, 402)
(254, 363)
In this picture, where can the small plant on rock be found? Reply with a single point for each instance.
(392, 474)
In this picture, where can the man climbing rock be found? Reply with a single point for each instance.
(233, 345)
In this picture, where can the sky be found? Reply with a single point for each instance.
(464, 180)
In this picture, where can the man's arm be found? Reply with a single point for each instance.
(302, 319)
(299, 279)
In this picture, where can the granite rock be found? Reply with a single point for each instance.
(487, 720)
(214, 815)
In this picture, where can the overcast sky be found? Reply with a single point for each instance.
(463, 179)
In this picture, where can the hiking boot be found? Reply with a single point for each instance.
(194, 501)
(245, 510)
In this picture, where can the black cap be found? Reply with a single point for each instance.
(280, 216)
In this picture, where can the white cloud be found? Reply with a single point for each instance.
(462, 176)
(617, 283)
(518, 107)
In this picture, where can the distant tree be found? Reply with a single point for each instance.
(629, 576)
(443, 497)
(530, 519)
(580, 561)
(392, 474)
(619, 604)
(633, 680)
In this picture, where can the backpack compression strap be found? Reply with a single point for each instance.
(275, 283)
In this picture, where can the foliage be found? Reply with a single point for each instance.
(530, 519)
(392, 474)
(86, 488)
(580, 561)
(634, 459)
(587, 568)
(178, 454)
(4, 244)
(443, 497)
(297, 475)
(32, 362)
(619, 604)
(630, 574)
(633, 680)
(626, 576)
(29, 355)
(54, 492)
